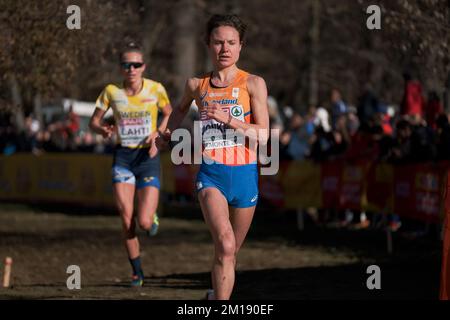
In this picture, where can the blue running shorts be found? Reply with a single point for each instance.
(238, 184)
(135, 166)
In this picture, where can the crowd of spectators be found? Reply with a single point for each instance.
(62, 134)
(417, 130)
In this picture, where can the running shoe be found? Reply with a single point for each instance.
(209, 295)
(154, 228)
(137, 281)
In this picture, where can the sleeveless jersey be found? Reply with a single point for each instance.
(222, 144)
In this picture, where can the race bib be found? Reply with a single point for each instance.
(134, 131)
(215, 135)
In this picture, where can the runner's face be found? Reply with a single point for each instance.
(224, 46)
(133, 74)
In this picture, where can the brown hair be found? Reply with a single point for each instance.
(230, 20)
(130, 47)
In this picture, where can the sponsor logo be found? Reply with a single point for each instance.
(148, 179)
(235, 92)
(236, 111)
(254, 198)
(225, 102)
(149, 100)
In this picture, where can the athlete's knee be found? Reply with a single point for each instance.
(125, 210)
(203, 195)
(226, 247)
(145, 223)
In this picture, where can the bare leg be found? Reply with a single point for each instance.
(124, 198)
(215, 211)
(241, 219)
(147, 204)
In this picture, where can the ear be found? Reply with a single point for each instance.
(144, 67)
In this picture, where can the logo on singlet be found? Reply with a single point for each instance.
(236, 111)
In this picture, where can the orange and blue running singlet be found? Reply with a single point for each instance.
(231, 167)
(234, 99)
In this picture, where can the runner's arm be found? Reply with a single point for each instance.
(166, 111)
(182, 109)
(96, 126)
(258, 102)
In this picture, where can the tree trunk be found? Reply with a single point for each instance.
(19, 117)
(38, 110)
(185, 44)
(314, 55)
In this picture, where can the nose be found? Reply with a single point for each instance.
(225, 47)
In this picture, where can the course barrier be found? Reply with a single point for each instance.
(413, 191)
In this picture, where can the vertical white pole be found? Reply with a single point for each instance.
(7, 273)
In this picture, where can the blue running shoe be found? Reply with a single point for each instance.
(210, 295)
(137, 281)
(154, 228)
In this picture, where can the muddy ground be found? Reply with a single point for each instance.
(276, 262)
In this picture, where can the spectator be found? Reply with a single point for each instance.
(322, 119)
(433, 109)
(338, 107)
(443, 137)
(298, 147)
(413, 101)
(400, 152)
(367, 106)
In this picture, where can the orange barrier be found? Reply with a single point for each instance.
(444, 293)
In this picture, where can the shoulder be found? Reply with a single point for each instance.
(256, 84)
(152, 84)
(110, 88)
(194, 83)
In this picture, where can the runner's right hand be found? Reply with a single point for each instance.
(107, 131)
(162, 139)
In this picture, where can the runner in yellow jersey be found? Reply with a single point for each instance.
(136, 165)
(227, 183)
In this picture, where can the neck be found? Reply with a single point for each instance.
(134, 87)
(225, 75)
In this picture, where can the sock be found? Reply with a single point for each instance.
(136, 265)
(210, 295)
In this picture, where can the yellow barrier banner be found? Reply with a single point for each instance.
(69, 178)
(301, 185)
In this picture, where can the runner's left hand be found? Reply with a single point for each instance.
(215, 112)
(153, 150)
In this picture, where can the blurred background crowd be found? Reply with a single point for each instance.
(413, 129)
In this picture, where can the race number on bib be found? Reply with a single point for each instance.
(215, 135)
(134, 131)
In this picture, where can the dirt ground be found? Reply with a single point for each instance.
(276, 262)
